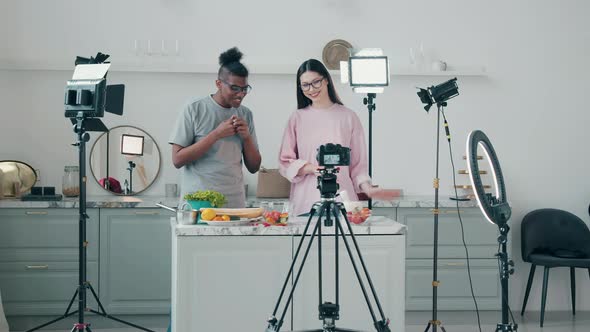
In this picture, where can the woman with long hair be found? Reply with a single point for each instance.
(321, 118)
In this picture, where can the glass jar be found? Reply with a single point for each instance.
(71, 181)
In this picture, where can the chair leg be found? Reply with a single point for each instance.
(528, 287)
(544, 295)
(573, 286)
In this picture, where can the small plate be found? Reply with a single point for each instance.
(334, 52)
(241, 222)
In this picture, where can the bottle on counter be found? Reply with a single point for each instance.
(71, 181)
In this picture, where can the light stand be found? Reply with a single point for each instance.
(437, 94)
(132, 145)
(434, 322)
(85, 100)
(367, 71)
(368, 100)
(328, 311)
(130, 169)
(496, 210)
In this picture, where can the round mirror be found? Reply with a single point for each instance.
(125, 160)
(16, 178)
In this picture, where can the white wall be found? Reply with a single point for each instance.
(531, 104)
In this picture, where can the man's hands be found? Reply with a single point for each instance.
(233, 126)
(241, 127)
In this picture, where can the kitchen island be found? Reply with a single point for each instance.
(229, 278)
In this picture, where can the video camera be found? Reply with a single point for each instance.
(330, 155)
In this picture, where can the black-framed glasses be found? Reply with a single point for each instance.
(315, 83)
(237, 88)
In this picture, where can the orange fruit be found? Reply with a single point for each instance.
(225, 217)
(208, 214)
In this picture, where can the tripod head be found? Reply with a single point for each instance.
(327, 182)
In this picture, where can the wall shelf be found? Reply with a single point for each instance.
(260, 69)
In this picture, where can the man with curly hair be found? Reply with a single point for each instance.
(214, 136)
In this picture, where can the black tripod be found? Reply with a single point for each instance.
(328, 311)
(434, 322)
(81, 125)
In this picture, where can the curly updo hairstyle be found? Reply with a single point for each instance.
(230, 64)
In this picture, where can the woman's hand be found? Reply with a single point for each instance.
(383, 194)
(308, 168)
(374, 192)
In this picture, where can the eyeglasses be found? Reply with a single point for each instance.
(316, 84)
(237, 88)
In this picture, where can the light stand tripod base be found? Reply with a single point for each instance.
(81, 125)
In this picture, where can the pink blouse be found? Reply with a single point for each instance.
(307, 129)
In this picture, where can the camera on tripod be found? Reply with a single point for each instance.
(329, 156)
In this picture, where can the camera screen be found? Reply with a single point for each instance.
(331, 159)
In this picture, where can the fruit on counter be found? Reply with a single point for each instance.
(275, 217)
(225, 217)
(208, 214)
(241, 213)
(358, 216)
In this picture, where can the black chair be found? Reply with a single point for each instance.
(554, 238)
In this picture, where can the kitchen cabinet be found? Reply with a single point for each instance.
(135, 261)
(228, 283)
(240, 271)
(39, 259)
(453, 292)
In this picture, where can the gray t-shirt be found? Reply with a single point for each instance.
(220, 168)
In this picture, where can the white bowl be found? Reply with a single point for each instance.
(351, 206)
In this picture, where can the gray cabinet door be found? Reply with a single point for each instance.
(39, 259)
(480, 235)
(135, 261)
(453, 292)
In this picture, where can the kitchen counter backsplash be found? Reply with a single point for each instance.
(112, 201)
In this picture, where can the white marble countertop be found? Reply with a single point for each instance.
(375, 225)
(113, 201)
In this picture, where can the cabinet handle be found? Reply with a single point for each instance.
(36, 213)
(453, 211)
(147, 213)
(455, 264)
(37, 267)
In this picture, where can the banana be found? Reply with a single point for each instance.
(242, 213)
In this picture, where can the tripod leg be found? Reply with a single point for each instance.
(356, 270)
(96, 298)
(366, 271)
(274, 324)
(65, 315)
(311, 214)
(299, 271)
